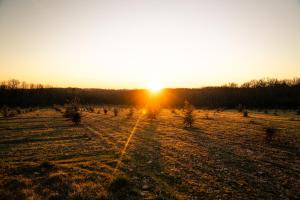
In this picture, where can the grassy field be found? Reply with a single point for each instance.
(224, 156)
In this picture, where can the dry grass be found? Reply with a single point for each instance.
(43, 156)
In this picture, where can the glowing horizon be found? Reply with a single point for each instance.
(129, 44)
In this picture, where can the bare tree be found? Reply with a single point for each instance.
(13, 84)
(24, 85)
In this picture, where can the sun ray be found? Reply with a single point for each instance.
(126, 144)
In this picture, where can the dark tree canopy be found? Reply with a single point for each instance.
(264, 93)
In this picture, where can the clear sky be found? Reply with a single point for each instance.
(131, 43)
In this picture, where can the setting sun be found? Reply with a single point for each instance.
(155, 87)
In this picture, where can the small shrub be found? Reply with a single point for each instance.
(73, 111)
(245, 113)
(275, 113)
(298, 112)
(105, 111)
(266, 111)
(76, 118)
(188, 119)
(116, 112)
(270, 133)
(72, 108)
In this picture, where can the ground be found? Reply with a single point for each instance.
(223, 156)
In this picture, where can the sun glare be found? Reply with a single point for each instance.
(155, 87)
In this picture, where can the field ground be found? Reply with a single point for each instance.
(44, 156)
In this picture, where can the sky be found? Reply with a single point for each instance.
(134, 43)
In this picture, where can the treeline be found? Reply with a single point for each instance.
(264, 93)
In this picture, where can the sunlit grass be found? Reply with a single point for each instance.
(47, 154)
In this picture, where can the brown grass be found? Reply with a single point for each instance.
(43, 156)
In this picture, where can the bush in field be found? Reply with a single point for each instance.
(105, 111)
(72, 111)
(76, 118)
(298, 112)
(270, 133)
(245, 113)
(266, 111)
(116, 112)
(188, 119)
(72, 108)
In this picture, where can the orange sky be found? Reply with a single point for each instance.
(134, 44)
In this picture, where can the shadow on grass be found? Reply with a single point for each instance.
(121, 188)
(230, 170)
(147, 166)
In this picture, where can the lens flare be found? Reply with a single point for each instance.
(155, 87)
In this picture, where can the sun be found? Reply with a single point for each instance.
(155, 87)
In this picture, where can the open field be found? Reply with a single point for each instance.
(225, 156)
